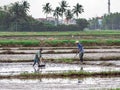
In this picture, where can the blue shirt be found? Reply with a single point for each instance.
(80, 47)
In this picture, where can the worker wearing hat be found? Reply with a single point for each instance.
(80, 50)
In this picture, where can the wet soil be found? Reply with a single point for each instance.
(59, 51)
(52, 54)
(61, 84)
(87, 56)
(17, 68)
(21, 54)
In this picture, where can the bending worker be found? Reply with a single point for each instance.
(38, 57)
(80, 51)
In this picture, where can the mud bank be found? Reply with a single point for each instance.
(53, 48)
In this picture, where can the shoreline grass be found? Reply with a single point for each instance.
(56, 43)
(70, 74)
(67, 60)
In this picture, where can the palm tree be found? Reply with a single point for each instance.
(19, 10)
(57, 13)
(15, 9)
(68, 15)
(63, 6)
(47, 9)
(25, 6)
(78, 9)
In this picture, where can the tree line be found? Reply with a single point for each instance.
(15, 17)
(108, 21)
(63, 10)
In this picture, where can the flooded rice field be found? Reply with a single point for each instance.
(89, 83)
(93, 56)
(51, 53)
(17, 68)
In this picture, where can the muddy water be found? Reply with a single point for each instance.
(93, 56)
(61, 84)
(17, 68)
(65, 50)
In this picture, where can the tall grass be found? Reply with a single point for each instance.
(72, 74)
(19, 42)
(88, 32)
(56, 43)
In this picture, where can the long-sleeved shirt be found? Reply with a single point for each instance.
(80, 47)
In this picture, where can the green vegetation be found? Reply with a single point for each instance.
(14, 17)
(19, 42)
(64, 74)
(110, 21)
(76, 73)
(88, 38)
(57, 42)
(89, 32)
(63, 60)
(115, 89)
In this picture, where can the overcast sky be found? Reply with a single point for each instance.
(92, 8)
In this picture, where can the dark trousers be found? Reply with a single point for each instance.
(36, 61)
(81, 56)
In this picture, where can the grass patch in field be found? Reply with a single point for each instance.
(115, 89)
(88, 32)
(113, 42)
(76, 73)
(56, 43)
(84, 42)
(64, 60)
(19, 42)
(71, 74)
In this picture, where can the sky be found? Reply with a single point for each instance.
(92, 8)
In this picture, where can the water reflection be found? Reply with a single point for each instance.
(38, 69)
(81, 68)
(80, 80)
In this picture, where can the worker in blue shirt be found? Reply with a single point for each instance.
(80, 50)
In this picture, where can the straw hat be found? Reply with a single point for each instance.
(76, 41)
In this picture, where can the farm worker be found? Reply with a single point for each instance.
(38, 57)
(80, 50)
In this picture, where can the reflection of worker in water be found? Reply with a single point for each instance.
(36, 70)
(80, 50)
(80, 79)
(38, 57)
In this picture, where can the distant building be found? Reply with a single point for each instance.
(70, 22)
(100, 22)
(53, 21)
(41, 19)
(50, 20)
